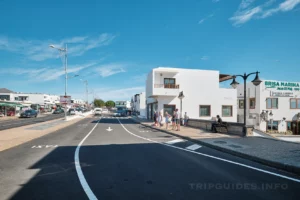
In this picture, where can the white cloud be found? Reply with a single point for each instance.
(245, 12)
(243, 17)
(45, 73)
(111, 69)
(283, 7)
(114, 93)
(39, 50)
(204, 58)
(206, 18)
(245, 4)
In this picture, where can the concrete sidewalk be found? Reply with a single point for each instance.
(12, 137)
(272, 152)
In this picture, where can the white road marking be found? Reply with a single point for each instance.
(81, 177)
(193, 147)
(174, 141)
(109, 129)
(214, 157)
(43, 146)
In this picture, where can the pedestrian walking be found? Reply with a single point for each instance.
(167, 118)
(186, 117)
(160, 119)
(174, 120)
(155, 118)
(177, 120)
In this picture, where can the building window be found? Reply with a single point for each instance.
(273, 126)
(241, 104)
(272, 103)
(204, 111)
(16, 98)
(226, 111)
(252, 103)
(295, 103)
(169, 83)
(289, 126)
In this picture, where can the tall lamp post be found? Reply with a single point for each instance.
(234, 84)
(64, 51)
(181, 96)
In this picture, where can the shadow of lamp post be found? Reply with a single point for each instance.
(255, 82)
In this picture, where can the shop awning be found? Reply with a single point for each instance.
(10, 104)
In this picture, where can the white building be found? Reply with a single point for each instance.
(280, 98)
(28, 98)
(139, 104)
(123, 104)
(204, 99)
(77, 102)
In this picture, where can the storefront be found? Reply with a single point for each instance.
(9, 108)
(273, 106)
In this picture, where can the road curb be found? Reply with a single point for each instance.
(278, 165)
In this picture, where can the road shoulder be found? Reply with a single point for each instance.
(16, 136)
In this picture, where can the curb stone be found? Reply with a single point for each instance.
(278, 165)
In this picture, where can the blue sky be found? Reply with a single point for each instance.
(114, 44)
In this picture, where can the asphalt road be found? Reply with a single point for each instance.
(14, 123)
(98, 158)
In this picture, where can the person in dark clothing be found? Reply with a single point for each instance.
(155, 119)
(214, 125)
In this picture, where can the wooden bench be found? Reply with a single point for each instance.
(220, 128)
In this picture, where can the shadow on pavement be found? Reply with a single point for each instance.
(115, 121)
(148, 171)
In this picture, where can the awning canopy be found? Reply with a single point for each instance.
(11, 104)
(224, 77)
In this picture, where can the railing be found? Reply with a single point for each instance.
(169, 86)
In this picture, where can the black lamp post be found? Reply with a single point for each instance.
(234, 84)
(181, 96)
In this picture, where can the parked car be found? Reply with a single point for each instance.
(58, 111)
(105, 111)
(116, 114)
(79, 109)
(71, 111)
(29, 113)
(97, 111)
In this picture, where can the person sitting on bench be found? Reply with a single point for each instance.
(215, 124)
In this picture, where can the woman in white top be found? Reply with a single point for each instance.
(160, 119)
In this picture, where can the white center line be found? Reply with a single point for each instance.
(193, 147)
(175, 141)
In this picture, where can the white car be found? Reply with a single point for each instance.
(104, 111)
(97, 111)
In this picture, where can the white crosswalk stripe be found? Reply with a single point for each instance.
(193, 147)
(175, 141)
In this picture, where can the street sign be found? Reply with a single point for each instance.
(65, 99)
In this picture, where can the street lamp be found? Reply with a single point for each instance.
(255, 82)
(69, 77)
(271, 120)
(181, 96)
(65, 52)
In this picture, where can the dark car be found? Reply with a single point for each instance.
(58, 111)
(29, 113)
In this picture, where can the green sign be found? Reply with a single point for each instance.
(278, 85)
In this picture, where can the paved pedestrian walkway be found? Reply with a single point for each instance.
(275, 153)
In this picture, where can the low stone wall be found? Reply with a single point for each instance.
(233, 128)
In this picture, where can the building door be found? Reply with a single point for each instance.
(169, 109)
(294, 128)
